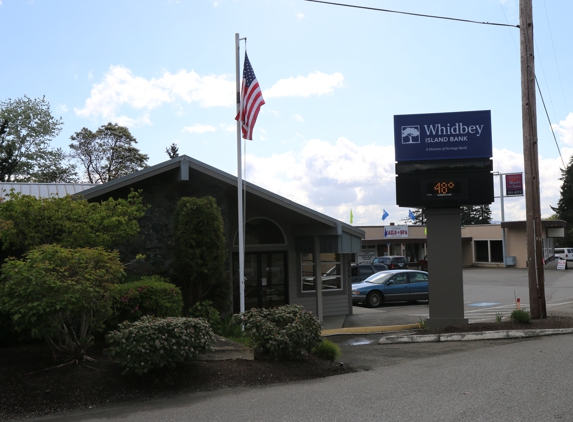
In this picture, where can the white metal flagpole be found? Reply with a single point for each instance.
(240, 181)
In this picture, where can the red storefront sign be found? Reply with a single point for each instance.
(514, 184)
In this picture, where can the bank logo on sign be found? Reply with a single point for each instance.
(411, 134)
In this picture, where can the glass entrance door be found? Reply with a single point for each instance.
(265, 280)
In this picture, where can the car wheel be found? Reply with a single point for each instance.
(374, 299)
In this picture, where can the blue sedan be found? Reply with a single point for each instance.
(391, 285)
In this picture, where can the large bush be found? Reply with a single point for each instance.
(149, 296)
(27, 222)
(200, 252)
(60, 294)
(285, 331)
(153, 343)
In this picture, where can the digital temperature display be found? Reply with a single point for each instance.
(447, 188)
(443, 184)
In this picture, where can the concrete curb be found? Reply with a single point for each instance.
(369, 330)
(483, 335)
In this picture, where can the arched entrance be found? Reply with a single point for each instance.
(266, 279)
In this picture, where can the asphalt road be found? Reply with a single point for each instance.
(524, 380)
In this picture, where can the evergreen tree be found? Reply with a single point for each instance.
(564, 208)
(200, 253)
(419, 219)
(476, 214)
(172, 151)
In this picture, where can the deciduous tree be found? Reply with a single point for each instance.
(108, 153)
(27, 128)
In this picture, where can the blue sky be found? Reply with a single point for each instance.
(332, 78)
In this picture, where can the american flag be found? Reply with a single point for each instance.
(251, 100)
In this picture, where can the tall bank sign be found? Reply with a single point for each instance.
(443, 136)
(443, 159)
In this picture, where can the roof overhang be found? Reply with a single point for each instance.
(187, 165)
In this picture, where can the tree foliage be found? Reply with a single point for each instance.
(564, 208)
(418, 217)
(108, 153)
(172, 151)
(60, 294)
(200, 250)
(28, 127)
(476, 214)
(27, 221)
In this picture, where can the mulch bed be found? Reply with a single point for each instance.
(30, 386)
(29, 389)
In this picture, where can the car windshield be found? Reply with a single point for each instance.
(378, 278)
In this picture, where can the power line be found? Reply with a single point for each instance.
(412, 14)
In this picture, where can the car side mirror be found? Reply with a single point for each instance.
(389, 282)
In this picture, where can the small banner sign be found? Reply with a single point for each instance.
(561, 264)
(396, 231)
(514, 184)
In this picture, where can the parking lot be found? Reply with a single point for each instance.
(487, 293)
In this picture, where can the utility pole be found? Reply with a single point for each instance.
(535, 264)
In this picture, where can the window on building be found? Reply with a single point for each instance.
(261, 231)
(488, 251)
(307, 276)
(330, 269)
(496, 251)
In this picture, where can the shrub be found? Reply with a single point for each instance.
(28, 222)
(328, 350)
(149, 296)
(60, 294)
(153, 343)
(519, 315)
(231, 329)
(206, 311)
(282, 332)
(8, 334)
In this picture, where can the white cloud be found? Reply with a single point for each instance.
(199, 128)
(334, 178)
(62, 108)
(120, 87)
(565, 129)
(299, 16)
(316, 83)
(331, 178)
(227, 127)
(298, 117)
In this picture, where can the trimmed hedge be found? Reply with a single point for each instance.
(149, 296)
